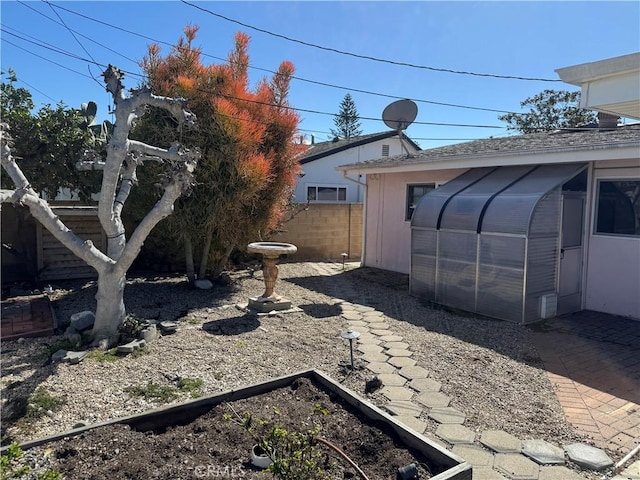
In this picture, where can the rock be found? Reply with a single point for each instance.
(131, 346)
(74, 338)
(203, 284)
(58, 356)
(80, 424)
(83, 320)
(50, 413)
(149, 334)
(22, 340)
(168, 327)
(74, 357)
(70, 331)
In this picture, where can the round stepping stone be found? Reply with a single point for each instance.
(363, 308)
(380, 367)
(369, 347)
(455, 434)
(425, 385)
(357, 323)
(557, 473)
(476, 456)
(402, 362)
(588, 457)
(380, 332)
(379, 326)
(516, 466)
(401, 345)
(412, 422)
(397, 393)
(412, 372)
(369, 340)
(403, 407)
(375, 357)
(399, 352)
(500, 441)
(373, 314)
(392, 379)
(391, 338)
(447, 415)
(433, 399)
(543, 452)
(351, 315)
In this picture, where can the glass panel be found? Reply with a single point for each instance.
(342, 194)
(414, 194)
(311, 193)
(327, 194)
(619, 207)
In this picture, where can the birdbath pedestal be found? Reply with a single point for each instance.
(270, 252)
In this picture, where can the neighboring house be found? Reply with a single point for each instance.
(524, 227)
(321, 183)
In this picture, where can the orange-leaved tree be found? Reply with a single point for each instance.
(248, 166)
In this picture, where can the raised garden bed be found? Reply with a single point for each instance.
(200, 439)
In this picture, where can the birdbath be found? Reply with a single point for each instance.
(270, 252)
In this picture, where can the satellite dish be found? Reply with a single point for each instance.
(398, 116)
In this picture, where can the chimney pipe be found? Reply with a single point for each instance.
(607, 121)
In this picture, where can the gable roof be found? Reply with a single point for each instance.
(559, 141)
(324, 149)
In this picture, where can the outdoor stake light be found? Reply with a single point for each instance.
(351, 336)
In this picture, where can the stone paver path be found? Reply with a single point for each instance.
(412, 394)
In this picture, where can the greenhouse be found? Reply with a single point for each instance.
(492, 241)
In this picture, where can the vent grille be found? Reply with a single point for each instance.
(385, 150)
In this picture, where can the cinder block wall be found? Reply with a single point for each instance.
(325, 231)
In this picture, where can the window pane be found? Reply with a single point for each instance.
(414, 194)
(619, 207)
(327, 194)
(342, 194)
(311, 193)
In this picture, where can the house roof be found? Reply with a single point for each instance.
(546, 144)
(324, 149)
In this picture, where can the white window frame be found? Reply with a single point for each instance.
(598, 182)
(317, 186)
(407, 217)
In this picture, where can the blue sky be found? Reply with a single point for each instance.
(524, 39)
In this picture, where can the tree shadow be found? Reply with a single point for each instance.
(232, 326)
(321, 310)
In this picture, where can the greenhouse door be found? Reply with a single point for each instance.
(570, 285)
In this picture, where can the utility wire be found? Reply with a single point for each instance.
(315, 82)
(74, 31)
(39, 91)
(366, 57)
(77, 41)
(304, 110)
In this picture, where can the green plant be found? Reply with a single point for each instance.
(12, 466)
(40, 402)
(193, 321)
(131, 328)
(153, 392)
(98, 355)
(293, 454)
(191, 386)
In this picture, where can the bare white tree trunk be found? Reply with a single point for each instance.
(119, 175)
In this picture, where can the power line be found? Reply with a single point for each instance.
(39, 91)
(46, 59)
(295, 109)
(315, 82)
(73, 31)
(367, 57)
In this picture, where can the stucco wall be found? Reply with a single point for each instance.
(325, 231)
(612, 282)
(388, 234)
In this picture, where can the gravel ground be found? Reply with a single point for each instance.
(490, 369)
